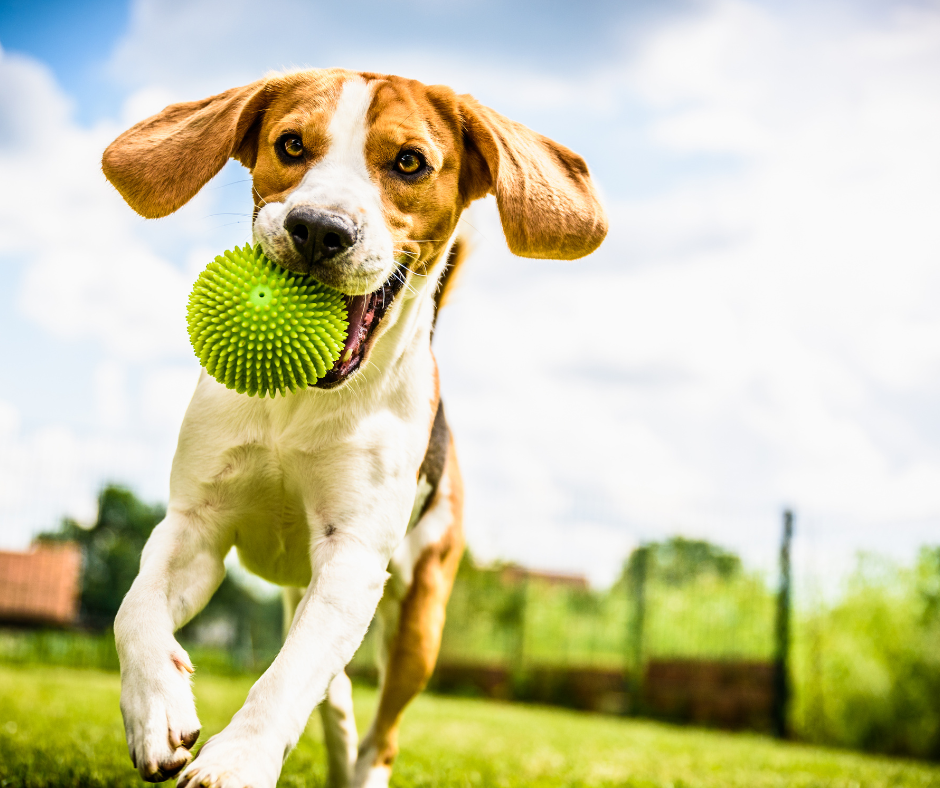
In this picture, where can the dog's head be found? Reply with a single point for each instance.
(359, 181)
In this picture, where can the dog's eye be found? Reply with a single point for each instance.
(292, 145)
(409, 162)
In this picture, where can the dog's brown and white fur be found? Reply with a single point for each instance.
(347, 494)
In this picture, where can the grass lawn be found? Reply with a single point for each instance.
(62, 727)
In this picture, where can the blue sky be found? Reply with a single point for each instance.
(761, 328)
(74, 41)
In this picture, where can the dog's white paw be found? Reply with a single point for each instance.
(372, 776)
(371, 770)
(230, 760)
(159, 711)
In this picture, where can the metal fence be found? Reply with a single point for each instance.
(687, 632)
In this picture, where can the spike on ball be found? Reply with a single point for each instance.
(259, 329)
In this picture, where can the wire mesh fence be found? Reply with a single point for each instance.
(685, 606)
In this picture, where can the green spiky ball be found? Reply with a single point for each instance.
(259, 329)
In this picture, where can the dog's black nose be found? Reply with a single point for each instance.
(319, 235)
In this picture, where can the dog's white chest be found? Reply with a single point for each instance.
(280, 477)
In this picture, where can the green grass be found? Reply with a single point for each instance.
(62, 727)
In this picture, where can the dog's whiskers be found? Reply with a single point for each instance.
(404, 280)
(464, 220)
(255, 190)
(223, 185)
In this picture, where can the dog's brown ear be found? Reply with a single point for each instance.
(547, 203)
(159, 164)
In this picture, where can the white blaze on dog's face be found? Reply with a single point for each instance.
(359, 180)
(331, 225)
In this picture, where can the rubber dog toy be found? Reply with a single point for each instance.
(260, 329)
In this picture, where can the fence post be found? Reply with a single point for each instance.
(521, 615)
(635, 641)
(782, 652)
(514, 617)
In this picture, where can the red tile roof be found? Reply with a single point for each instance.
(41, 586)
(516, 574)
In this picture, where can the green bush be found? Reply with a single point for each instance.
(867, 668)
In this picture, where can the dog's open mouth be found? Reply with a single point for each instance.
(365, 313)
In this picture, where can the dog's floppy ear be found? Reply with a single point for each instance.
(547, 203)
(159, 164)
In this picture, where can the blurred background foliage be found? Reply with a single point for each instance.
(235, 629)
(111, 550)
(865, 664)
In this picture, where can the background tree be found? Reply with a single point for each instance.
(111, 549)
(678, 561)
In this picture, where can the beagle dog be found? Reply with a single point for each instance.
(346, 494)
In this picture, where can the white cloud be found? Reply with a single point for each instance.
(747, 339)
(165, 395)
(111, 394)
(51, 471)
(9, 419)
(82, 273)
(145, 102)
(185, 53)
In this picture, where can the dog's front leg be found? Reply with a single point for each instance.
(180, 568)
(328, 627)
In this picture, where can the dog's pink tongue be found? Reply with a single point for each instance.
(356, 308)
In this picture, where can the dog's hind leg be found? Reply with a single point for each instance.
(412, 625)
(339, 731)
(336, 710)
(290, 598)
